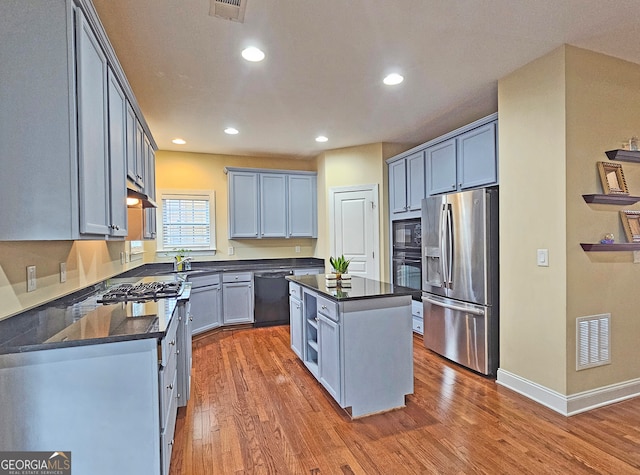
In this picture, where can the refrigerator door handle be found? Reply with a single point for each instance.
(443, 245)
(449, 245)
(461, 308)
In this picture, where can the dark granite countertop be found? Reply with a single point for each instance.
(78, 319)
(227, 266)
(360, 288)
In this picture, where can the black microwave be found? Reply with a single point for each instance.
(407, 235)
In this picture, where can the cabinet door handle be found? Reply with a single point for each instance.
(190, 318)
(324, 307)
(171, 443)
(170, 386)
(172, 342)
(453, 186)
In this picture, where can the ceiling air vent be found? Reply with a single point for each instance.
(228, 9)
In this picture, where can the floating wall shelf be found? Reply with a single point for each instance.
(611, 199)
(625, 246)
(624, 155)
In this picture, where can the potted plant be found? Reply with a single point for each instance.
(340, 266)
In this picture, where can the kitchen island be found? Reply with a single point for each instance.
(356, 341)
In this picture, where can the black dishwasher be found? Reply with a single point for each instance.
(271, 298)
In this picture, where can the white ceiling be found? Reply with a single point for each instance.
(325, 60)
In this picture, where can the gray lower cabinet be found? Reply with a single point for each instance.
(206, 303)
(272, 204)
(361, 351)
(184, 352)
(329, 354)
(237, 297)
(295, 318)
(416, 314)
(98, 400)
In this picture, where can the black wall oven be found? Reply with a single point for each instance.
(406, 258)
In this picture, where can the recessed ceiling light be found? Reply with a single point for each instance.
(179, 141)
(230, 131)
(252, 54)
(393, 79)
(321, 138)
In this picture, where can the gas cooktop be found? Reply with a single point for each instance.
(141, 292)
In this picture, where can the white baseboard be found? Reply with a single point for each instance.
(569, 405)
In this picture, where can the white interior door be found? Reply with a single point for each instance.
(354, 228)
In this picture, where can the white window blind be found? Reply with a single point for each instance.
(187, 221)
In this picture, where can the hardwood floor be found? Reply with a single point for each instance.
(255, 408)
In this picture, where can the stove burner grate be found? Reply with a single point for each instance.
(141, 292)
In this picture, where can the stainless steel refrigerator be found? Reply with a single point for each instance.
(460, 288)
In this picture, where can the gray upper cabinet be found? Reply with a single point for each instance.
(468, 160)
(117, 156)
(243, 205)
(477, 157)
(406, 184)
(398, 187)
(302, 206)
(272, 204)
(441, 167)
(93, 162)
(62, 163)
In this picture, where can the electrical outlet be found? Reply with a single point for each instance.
(230, 251)
(63, 272)
(31, 278)
(122, 258)
(297, 248)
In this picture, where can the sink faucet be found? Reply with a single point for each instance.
(180, 264)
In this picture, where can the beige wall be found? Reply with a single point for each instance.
(88, 262)
(197, 171)
(603, 110)
(532, 216)
(558, 115)
(361, 165)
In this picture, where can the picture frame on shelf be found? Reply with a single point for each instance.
(631, 224)
(612, 178)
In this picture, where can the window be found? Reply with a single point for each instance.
(187, 221)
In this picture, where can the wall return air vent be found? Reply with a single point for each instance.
(228, 9)
(593, 341)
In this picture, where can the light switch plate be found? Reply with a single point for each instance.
(543, 258)
(230, 250)
(31, 278)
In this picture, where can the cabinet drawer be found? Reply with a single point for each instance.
(169, 342)
(236, 277)
(416, 309)
(295, 290)
(168, 392)
(328, 308)
(418, 325)
(166, 443)
(204, 280)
